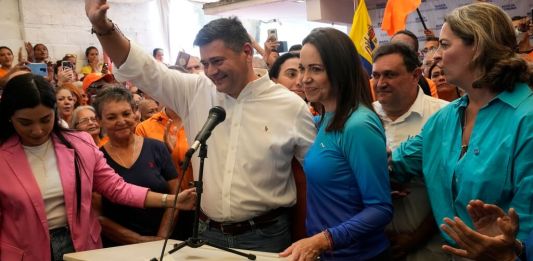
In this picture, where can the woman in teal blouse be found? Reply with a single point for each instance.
(481, 145)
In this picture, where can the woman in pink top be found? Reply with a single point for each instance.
(48, 176)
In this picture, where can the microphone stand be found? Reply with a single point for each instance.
(194, 241)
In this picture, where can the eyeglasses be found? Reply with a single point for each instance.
(85, 121)
(69, 55)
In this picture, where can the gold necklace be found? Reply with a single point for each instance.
(42, 157)
(120, 158)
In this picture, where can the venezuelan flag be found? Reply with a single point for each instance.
(363, 36)
(396, 13)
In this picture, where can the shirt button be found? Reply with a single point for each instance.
(476, 152)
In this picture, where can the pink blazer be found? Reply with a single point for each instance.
(23, 224)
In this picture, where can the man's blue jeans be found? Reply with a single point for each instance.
(273, 238)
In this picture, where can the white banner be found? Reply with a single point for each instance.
(433, 12)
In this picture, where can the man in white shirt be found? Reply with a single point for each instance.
(404, 109)
(248, 182)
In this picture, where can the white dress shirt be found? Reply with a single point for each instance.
(411, 122)
(248, 166)
(410, 211)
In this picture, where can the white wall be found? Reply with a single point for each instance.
(63, 27)
(9, 24)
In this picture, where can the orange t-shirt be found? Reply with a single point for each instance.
(3, 72)
(103, 141)
(154, 127)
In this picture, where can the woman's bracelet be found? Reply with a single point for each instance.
(164, 200)
(328, 238)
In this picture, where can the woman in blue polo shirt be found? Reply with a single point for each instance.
(348, 194)
(480, 146)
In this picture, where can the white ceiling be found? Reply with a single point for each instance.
(262, 9)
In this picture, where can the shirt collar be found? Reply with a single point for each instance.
(255, 87)
(417, 107)
(512, 98)
(517, 96)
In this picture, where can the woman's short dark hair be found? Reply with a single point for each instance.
(229, 30)
(28, 91)
(433, 66)
(88, 50)
(5, 47)
(154, 52)
(295, 48)
(35, 46)
(113, 94)
(349, 81)
(276, 66)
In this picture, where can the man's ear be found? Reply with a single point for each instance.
(417, 72)
(248, 49)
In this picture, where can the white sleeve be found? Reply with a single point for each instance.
(305, 131)
(172, 88)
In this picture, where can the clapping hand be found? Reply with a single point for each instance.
(494, 238)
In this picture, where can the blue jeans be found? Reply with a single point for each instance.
(273, 238)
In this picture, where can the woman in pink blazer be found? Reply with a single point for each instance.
(48, 175)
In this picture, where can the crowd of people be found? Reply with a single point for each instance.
(426, 158)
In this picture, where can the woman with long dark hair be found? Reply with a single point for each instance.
(348, 194)
(48, 176)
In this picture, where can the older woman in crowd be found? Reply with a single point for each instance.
(479, 146)
(140, 161)
(48, 175)
(348, 194)
(84, 119)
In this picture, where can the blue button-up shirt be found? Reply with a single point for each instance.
(497, 167)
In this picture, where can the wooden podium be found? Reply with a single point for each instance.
(147, 251)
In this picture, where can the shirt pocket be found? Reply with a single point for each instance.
(490, 168)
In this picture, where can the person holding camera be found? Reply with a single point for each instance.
(524, 30)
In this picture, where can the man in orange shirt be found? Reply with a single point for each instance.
(167, 127)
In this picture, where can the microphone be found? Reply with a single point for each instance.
(217, 115)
